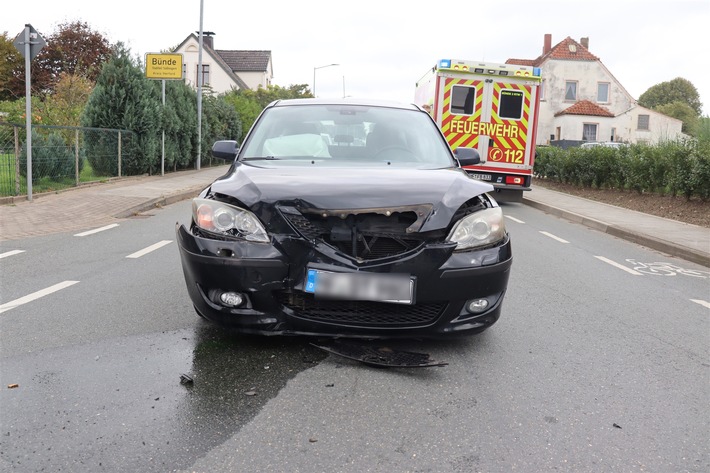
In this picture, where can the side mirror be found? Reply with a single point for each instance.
(467, 156)
(225, 149)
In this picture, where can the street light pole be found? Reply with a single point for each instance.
(314, 75)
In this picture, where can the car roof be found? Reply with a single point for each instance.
(345, 101)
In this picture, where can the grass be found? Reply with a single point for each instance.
(43, 184)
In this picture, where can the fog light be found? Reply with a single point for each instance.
(232, 299)
(476, 306)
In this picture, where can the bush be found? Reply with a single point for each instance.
(677, 167)
(51, 157)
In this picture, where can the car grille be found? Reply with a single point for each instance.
(361, 313)
(369, 244)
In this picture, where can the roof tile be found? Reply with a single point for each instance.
(567, 49)
(242, 60)
(585, 107)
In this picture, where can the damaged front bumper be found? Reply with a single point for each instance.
(261, 288)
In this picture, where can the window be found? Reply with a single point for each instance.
(603, 92)
(205, 74)
(643, 122)
(511, 104)
(462, 100)
(571, 90)
(613, 134)
(542, 90)
(589, 132)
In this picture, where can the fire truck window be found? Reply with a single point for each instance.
(462, 100)
(511, 104)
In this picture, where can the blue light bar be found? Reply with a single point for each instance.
(445, 64)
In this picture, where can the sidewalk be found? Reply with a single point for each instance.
(98, 205)
(683, 240)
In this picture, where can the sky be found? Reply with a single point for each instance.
(382, 47)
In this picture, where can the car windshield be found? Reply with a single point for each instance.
(346, 135)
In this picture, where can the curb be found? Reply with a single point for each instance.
(12, 199)
(160, 202)
(638, 238)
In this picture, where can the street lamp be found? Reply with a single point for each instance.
(314, 75)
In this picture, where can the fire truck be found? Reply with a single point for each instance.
(492, 108)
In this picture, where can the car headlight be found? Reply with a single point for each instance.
(218, 217)
(482, 228)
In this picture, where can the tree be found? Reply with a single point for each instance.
(678, 89)
(681, 111)
(702, 131)
(66, 104)
(220, 121)
(249, 103)
(74, 48)
(123, 98)
(180, 122)
(11, 61)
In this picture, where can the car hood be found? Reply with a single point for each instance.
(445, 190)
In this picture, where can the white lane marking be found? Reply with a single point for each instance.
(145, 251)
(514, 219)
(97, 230)
(11, 253)
(554, 237)
(617, 265)
(701, 302)
(35, 295)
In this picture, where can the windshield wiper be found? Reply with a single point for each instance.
(260, 158)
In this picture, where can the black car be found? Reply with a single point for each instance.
(346, 218)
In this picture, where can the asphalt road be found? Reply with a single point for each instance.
(599, 363)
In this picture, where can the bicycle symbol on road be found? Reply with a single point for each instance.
(666, 269)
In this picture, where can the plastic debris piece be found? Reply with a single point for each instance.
(250, 393)
(13, 386)
(186, 379)
(312, 440)
(617, 426)
(382, 357)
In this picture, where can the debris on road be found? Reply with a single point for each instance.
(13, 386)
(383, 357)
(186, 379)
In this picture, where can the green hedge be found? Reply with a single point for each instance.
(51, 157)
(674, 168)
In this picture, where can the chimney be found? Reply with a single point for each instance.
(584, 42)
(547, 47)
(207, 39)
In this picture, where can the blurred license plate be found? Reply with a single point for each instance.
(482, 177)
(395, 288)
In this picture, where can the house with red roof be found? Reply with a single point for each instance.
(581, 100)
(224, 69)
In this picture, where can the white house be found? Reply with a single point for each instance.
(224, 69)
(581, 100)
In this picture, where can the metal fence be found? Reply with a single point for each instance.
(62, 156)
